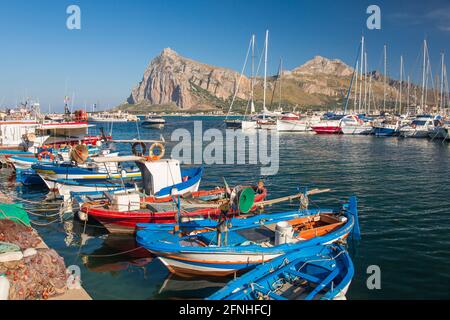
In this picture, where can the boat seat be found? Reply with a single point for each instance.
(303, 275)
(323, 284)
(257, 235)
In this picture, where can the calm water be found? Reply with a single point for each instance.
(403, 187)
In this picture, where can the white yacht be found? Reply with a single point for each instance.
(418, 128)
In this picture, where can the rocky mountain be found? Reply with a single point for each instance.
(173, 83)
(173, 79)
(320, 65)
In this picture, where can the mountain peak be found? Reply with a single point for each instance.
(169, 52)
(322, 65)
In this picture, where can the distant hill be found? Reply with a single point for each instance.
(174, 83)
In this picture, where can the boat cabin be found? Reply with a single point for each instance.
(159, 174)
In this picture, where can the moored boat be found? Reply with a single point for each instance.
(153, 121)
(246, 246)
(418, 128)
(124, 212)
(386, 128)
(355, 125)
(317, 272)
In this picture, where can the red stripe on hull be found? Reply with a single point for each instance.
(327, 130)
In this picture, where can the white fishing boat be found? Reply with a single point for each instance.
(118, 116)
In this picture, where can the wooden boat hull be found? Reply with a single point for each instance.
(126, 222)
(317, 272)
(180, 255)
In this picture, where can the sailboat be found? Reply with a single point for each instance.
(249, 122)
(268, 121)
(388, 126)
(242, 123)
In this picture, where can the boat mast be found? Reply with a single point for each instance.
(281, 74)
(401, 84)
(361, 74)
(423, 72)
(442, 83)
(265, 73)
(385, 77)
(252, 104)
(408, 98)
(356, 87)
(365, 81)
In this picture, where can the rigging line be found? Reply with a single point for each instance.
(239, 81)
(351, 81)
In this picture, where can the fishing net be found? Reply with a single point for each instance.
(23, 236)
(36, 277)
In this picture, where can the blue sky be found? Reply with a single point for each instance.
(41, 58)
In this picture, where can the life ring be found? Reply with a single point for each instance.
(151, 153)
(46, 155)
(136, 152)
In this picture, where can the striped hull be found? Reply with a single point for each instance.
(225, 264)
(222, 263)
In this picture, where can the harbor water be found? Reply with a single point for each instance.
(402, 185)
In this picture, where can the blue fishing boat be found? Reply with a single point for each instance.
(245, 246)
(29, 178)
(317, 272)
(89, 172)
(26, 160)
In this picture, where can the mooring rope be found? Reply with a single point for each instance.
(111, 255)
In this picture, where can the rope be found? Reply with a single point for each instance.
(239, 81)
(111, 255)
(43, 224)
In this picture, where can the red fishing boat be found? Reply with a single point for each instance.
(120, 216)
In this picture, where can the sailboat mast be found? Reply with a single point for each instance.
(356, 87)
(423, 72)
(385, 77)
(265, 73)
(252, 104)
(409, 91)
(281, 74)
(365, 81)
(401, 83)
(361, 74)
(442, 83)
